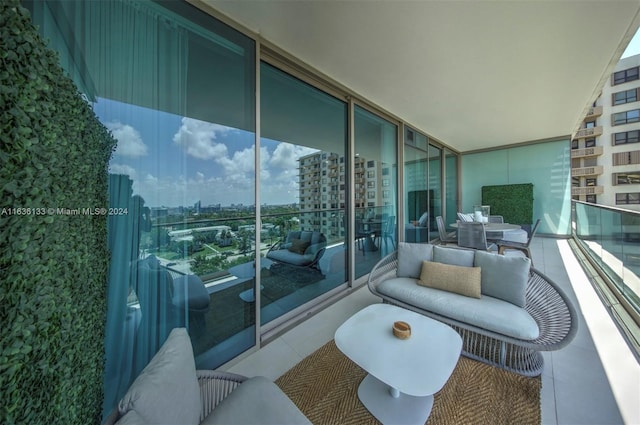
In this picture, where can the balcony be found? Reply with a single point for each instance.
(586, 152)
(593, 112)
(587, 171)
(588, 132)
(591, 381)
(589, 190)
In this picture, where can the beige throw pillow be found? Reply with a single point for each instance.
(459, 279)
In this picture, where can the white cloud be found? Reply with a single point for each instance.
(150, 179)
(286, 155)
(115, 168)
(130, 142)
(198, 139)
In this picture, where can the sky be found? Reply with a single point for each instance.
(178, 161)
(634, 46)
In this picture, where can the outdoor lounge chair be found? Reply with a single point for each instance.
(300, 248)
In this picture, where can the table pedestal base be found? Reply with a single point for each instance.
(379, 400)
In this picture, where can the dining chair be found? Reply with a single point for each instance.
(473, 235)
(496, 219)
(388, 232)
(523, 247)
(467, 218)
(495, 236)
(445, 237)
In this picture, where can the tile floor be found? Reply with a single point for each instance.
(594, 380)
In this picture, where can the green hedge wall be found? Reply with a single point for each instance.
(53, 155)
(512, 201)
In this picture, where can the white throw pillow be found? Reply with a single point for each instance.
(422, 221)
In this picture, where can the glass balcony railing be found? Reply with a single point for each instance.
(611, 238)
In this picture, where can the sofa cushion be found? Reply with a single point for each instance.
(460, 280)
(286, 256)
(167, 389)
(504, 277)
(454, 256)
(299, 246)
(486, 312)
(410, 258)
(256, 401)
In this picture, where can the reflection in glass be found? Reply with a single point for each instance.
(451, 184)
(176, 89)
(375, 184)
(302, 192)
(417, 195)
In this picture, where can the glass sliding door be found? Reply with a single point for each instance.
(451, 186)
(176, 88)
(375, 184)
(418, 196)
(435, 187)
(302, 192)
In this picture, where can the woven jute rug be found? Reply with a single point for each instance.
(325, 384)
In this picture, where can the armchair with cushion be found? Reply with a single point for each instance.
(300, 248)
(171, 391)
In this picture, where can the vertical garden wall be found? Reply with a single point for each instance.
(53, 256)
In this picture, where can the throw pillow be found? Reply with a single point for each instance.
(410, 258)
(422, 221)
(299, 246)
(504, 277)
(453, 256)
(167, 389)
(461, 280)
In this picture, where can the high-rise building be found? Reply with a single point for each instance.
(605, 159)
(322, 190)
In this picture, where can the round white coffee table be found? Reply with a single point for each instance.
(403, 374)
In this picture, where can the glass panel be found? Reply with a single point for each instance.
(302, 148)
(375, 214)
(435, 187)
(176, 89)
(417, 194)
(612, 239)
(550, 175)
(451, 198)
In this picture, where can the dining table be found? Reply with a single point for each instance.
(502, 231)
(495, 227)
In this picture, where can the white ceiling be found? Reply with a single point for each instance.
(472, 74)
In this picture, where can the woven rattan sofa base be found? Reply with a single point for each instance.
(545, 302)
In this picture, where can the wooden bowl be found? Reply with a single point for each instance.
(401, 330)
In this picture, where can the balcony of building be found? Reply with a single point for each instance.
(593, 112)
(589, 190)
(587, 152)
(594, 380)
(587, 171)
(583, 133)
(580, 383)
